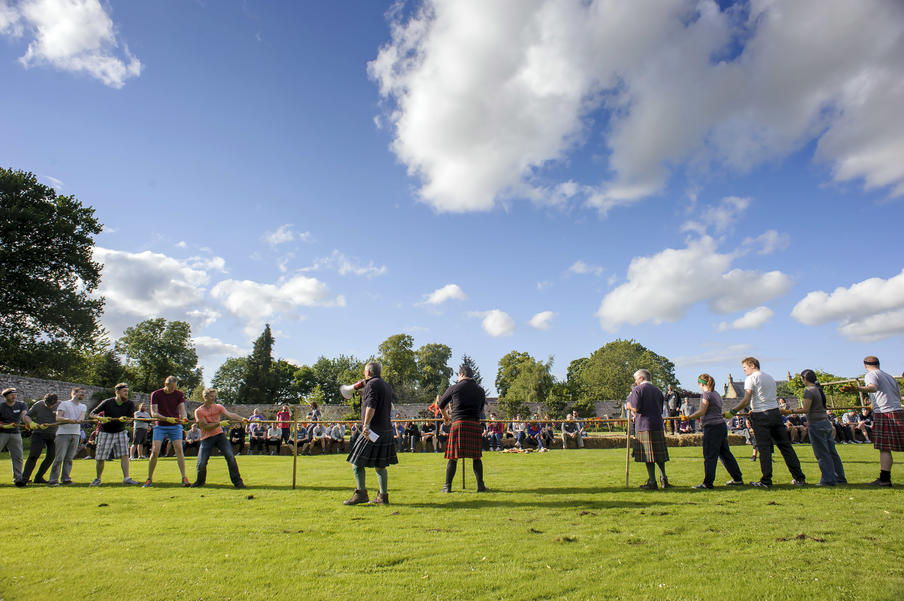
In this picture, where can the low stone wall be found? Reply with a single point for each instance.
(34, 389)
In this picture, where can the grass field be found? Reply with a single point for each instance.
(559, 525)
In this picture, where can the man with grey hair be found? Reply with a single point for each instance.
(376, 446)
(646, 402)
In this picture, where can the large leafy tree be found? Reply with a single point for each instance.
(229, 378)
(508, 370)
(400, 366)
(433, 368)
(155, 349)
(329, 374)
(47, 307)
(260, 383)
(608, 372)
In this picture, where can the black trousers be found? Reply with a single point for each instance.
(715, 447)
(39, 441)
(768, 429)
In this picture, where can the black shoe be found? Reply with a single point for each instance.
(876, 482)
(197, 485)
(702, 486)
(739, 482)
(651, 485)
(800, 483)
(482, 488)
(760, 484)
(21, 483)
(240, 485)
(40, 481)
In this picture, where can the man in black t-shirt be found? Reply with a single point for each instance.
(113, 439)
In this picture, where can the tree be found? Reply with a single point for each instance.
(284, 388)
(259, 384)
(329, 374)
(105, 369)
(559, 400)
(835, 398)
(467, 360)
(508, 369)
(433, 370)
(609, 371)
(304, 380)
(400, 366)
(229, 378)
(47, 307)
(155, 349)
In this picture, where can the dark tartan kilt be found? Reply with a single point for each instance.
(888, 431)
(378, 454)
(465, 441)
(650, 447)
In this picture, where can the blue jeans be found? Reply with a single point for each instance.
(221, 442)
(495, 440)
(823, 441)
(519, 438)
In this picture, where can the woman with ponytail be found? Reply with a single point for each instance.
(821, 430)
(715, 435)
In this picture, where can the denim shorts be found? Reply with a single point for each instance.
(174, 433)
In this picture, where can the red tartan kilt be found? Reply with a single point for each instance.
(888, 431)
(465, 441)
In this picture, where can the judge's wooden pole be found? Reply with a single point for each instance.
(295, 454)
(627, 447)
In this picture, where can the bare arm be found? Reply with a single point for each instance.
(748, 394)
(704, 405)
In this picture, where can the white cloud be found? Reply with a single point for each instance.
(208, 346)
(750, 320)
(54, 182)
(71, 35)
(147, 283)
(204, 316)
(182, 244)
(484, 97)
(768, 242)
(542, 320)
(581, 267)
(447, 292)
(662, 287)
(254, 302)
(286, 233)
(869, 310)
(543, 285)
(345, 265)
(720, 218)
(208, 263)
(495, 323)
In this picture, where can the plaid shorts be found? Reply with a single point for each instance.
(888, 431)
(112, 445)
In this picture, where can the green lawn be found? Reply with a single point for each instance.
(557, 526)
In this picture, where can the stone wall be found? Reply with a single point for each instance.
(34, 389)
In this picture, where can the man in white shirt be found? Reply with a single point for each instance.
(69, 414)
(888, 416)
(768, 428)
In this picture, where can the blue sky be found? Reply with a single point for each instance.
(712, 181)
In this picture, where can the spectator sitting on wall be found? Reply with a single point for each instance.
(428, 434)
(571, 433)
(398, 433)
(274, 439)
(237, 438)
(866, 421)
(519, 431)
(797, 428)
(535, 435)
(356, 432)
(319, 436)
(337, 437)
(580, 424)
(687, 408)
(257, 437)
(443, 434)
(412, 435)
(495, 430)
(842, 433)
(851, 422)
(548, 431)
(192, 438)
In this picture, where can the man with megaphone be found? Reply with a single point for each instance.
(376, 445)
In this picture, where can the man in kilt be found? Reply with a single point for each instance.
(646, 402)
(888, 416)
(375, 422)
(467, 399)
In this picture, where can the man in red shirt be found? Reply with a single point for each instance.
(168, 408)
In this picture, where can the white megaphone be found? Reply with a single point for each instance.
(347, 390)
